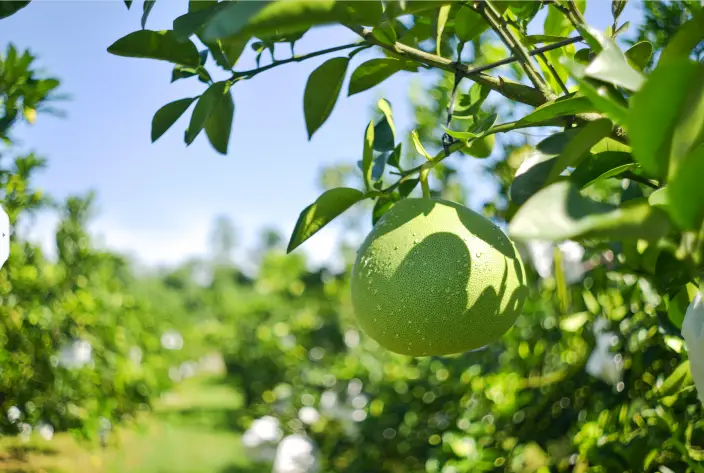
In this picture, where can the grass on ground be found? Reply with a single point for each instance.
(190, 431)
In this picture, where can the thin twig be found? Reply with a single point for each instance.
(572, 13)
(499, 25)
(253, 72)
(534, 52)
(554, 73)
(510, 89)
(459, 144)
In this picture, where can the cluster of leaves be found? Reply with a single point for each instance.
(617, 123)
(85, 295)
(523, 404)
(618, 173)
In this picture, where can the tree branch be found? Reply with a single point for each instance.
(458, 145)
(253, 72)
(572, 13)
(554, 73)
(499, 25)
(510, 89)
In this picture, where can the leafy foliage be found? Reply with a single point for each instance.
(617, 176)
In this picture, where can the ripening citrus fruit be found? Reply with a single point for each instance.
(435, 278)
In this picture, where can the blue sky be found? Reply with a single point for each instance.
(157, 201)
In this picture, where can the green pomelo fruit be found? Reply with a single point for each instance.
(435, 278)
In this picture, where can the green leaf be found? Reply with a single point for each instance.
(219, 125)
(419, 146)
(604, 101)
(203, 57)
(686, 192)
(659, 198)
(10, 8)
(678, 307)
(264, 19)
(623, 28)
(199, 12)
(231, 18)
(406, 187)
(688, 129)
(232, 49)
(609, 144)
(395, 157)
(379, 166)
(556, 24)
(368, 155)
(385, 34)
(584, 56)
(385, 108)
(460, 135)
(639, 54)
(559, 212)
(469, 24)
(373, 72)
(611, 66)
(656, 112)
(146, 9)
(161, 45)
(128, 3)
(688, 36)
(533, 172)
(180, 72)
(563, 106)
(579, 146)
(485, 123)
(167, 115)
(617, 7)
(679, 379)
(322, 90)
(574, 322)
(598, 167)
(329, 205)
(383, 136)
(204, 108)
(383, 205)
(468, 105)
(443, 14)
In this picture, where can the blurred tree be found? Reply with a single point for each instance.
(223, 239)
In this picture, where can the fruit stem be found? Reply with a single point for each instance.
(425, 169)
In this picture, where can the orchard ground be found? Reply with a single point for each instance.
(189, 431)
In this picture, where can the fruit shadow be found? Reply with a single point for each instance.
(451, 283)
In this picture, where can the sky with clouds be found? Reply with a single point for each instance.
(157, 201)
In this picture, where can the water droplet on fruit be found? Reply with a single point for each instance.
(378, 307)
(478, 254)
(396, 247)
(447, 289)
(396, 335)
(416, 241)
